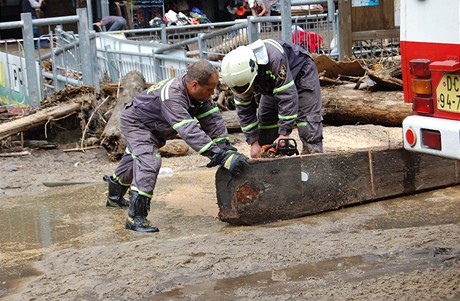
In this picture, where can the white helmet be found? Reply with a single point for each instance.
(239, 69)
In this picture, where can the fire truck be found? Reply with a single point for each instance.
(430, 58)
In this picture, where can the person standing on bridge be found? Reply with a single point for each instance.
(287, 79)
(159, 113)
(111, 23)
(34, 8)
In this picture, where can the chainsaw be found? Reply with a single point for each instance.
(284, 147)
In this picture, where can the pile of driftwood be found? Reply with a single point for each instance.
(352, 94)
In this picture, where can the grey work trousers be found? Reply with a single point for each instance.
(140, 164)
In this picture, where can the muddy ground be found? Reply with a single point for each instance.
(61, 243)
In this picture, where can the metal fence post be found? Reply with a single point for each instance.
(202, 46)
(286, 33)
(253, 29)
(88, 63)
(164, 37)
(29, 53)
(156, 67)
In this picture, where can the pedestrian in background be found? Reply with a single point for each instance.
(34, 8)
(111, 23)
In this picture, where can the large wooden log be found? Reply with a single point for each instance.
(290, 187)
(38, 118)
(112, 140)
(348, 106)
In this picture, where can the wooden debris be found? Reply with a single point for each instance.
(291, 187)
(132, 84)
(15, 154)
(66, 183)
(81, 149)
(38, 118)
(347, 106)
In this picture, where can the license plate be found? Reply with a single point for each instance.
(448, 93)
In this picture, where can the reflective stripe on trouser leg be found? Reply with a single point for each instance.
(144, 147)
(124, 170)
(311, 135)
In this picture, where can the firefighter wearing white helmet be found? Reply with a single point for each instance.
(239, 69)
(287, 79)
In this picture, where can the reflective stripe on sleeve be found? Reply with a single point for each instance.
(210, 112)
(220, 139)
(242, 103)
(183, 122)
(206, 147)
(268, 126)
(288, 85)
(250, 126)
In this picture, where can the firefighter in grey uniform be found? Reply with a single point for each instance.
(157, 114)
(286, 77)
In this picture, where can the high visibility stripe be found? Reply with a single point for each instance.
(210, 112)
(242, 103)
(127, 151)
(228, 161)
(276, 44)
(286, 86)
(302, 124)
(270, 73)
(165, 90)
(205, 148)
(220, 139)
(268, 126)
(117, 178)
(183, 122)
(287, 117)
(250, 126)
(134, 188)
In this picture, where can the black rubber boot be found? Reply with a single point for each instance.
(115, 195)
(139, 206)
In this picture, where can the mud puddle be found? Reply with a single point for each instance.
(75, 217)
(355, 269)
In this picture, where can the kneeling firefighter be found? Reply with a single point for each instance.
(287, 79)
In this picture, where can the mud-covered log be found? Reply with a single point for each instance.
(231, 121)
(38, 118)
(291, 187)
(348, 106)
(132, 84)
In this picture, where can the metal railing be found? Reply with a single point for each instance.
(210, 41)
(31, 70)
(86, 58)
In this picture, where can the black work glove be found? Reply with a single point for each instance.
(229, 147)
(230, 160)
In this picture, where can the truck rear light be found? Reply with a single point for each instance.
(423, 105)
(431, 139)
(421, 86)
(420, 68)
(411, 138)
